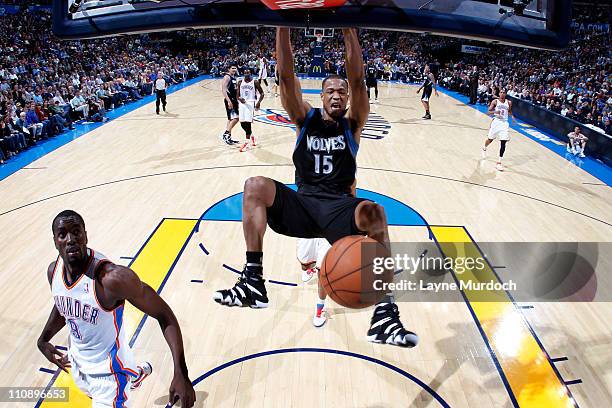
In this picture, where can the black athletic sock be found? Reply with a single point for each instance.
(254, 265)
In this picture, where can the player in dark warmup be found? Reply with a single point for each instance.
(228, 88)
(371, 81)
(325, 165)
(428, 86)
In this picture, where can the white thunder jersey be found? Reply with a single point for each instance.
(98, 342)
(500, 125)
(501, 110)
(247, 91)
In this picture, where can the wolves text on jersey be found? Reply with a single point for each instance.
(318, 144)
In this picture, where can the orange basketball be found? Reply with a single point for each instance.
(347, 272)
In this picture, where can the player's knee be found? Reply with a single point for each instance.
(372, 214)
(255, 187)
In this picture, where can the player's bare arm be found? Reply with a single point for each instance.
(358, 96)
(54, 324)
(260, 91)
(290, 89)
(434, 82)
(224, 84)
(238, 96)
(120, 283)
(492, 106)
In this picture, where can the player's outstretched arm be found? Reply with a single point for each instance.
(260, 91)
(54, 324)
(358, 95)
(433, 79)
(492, 107)
(121, 283)
(290, 89)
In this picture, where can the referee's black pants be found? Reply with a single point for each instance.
(161, 96)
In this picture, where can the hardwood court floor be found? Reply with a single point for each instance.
(142, 181)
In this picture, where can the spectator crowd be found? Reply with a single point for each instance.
(47, 85)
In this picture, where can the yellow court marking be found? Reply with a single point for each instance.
(528, 372)
(152, 264)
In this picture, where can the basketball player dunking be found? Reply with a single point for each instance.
(501, 109)
(228, 88)
(248, 103)
(428, 86)
(325, 165)
(89, 293)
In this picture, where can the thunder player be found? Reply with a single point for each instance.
(89, 293)
(427, 87)
(228, 89)
(248, 88)
(371, 81)
(325, 164)
(263, 72)
(500, 109)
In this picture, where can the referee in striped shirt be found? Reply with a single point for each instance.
(160, 91)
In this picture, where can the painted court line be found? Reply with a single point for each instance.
(152, 264)
(528, 374)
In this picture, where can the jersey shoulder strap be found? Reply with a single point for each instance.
(304, 127)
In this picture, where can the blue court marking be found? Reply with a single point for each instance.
(398, 370)
(203, 248)
(578, 381)
(46, 370)
(197, 281)
(526, 307)
(42, 148)
(559, 359)
(126, 257)
(398, 213)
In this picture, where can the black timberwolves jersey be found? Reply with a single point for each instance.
(231, 89)
(428, 85)
(371, 73)
(324, 155)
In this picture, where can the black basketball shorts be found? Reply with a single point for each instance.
(321, 215)
(231, 113)
(426, 95)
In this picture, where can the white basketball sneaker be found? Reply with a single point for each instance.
(320, 317)
(499, 166)
(309, 273)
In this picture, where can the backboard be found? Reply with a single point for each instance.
(530, 23)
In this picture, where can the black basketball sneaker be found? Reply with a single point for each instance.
(248, 291)
(386, 327)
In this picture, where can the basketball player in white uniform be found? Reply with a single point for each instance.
(89, 293)
(248, 102)
(263, 72)
(501, 109)
(577, 142)
(310, 254)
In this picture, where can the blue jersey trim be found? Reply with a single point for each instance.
(304, 126)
